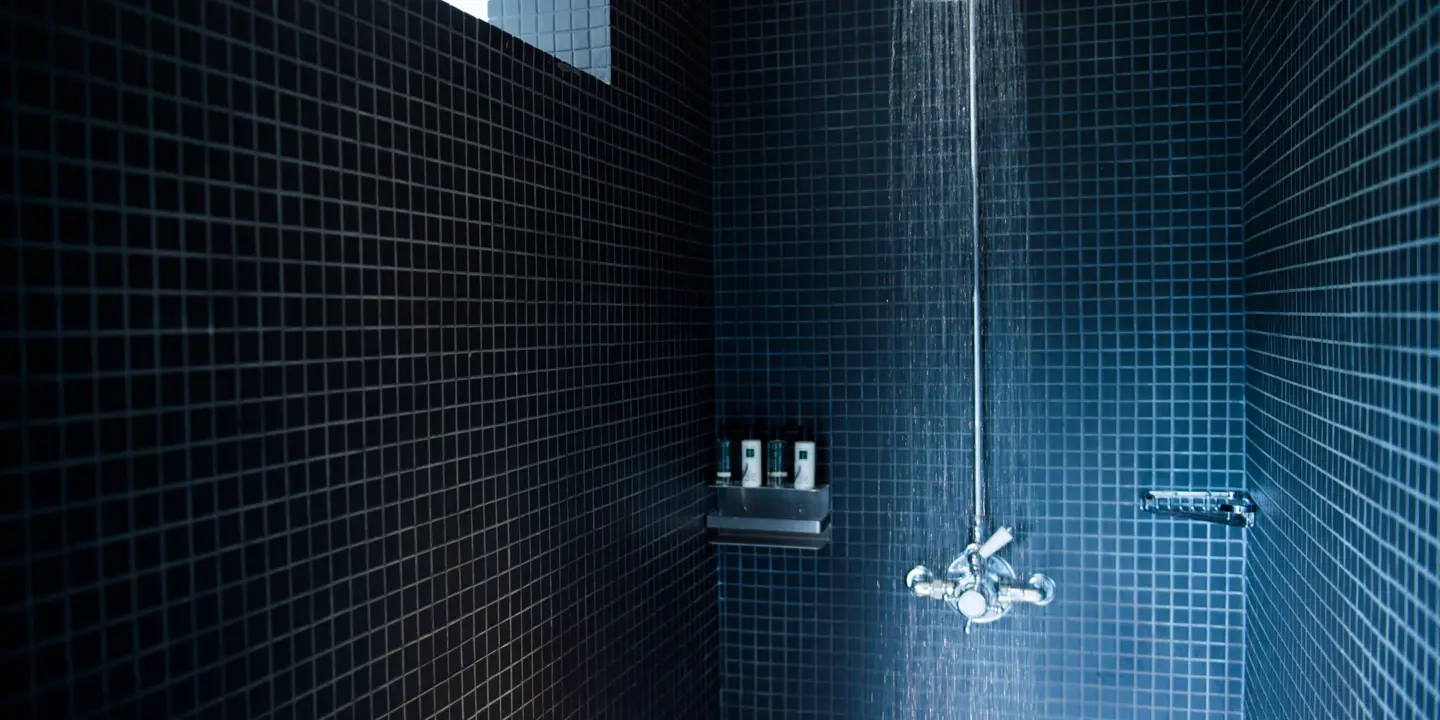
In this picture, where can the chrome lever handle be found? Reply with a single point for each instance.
(995, 543)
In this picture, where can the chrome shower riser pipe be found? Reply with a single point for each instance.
(977, 528)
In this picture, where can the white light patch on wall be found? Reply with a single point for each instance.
(478, 8)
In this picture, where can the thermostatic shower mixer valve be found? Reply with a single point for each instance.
(981, 585)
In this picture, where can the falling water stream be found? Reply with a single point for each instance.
(990, 674)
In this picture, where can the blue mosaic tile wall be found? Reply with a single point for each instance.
(1342, 292)
(358, 363)
(575, 31)
(1131, 328)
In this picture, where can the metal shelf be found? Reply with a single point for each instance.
(770, 517)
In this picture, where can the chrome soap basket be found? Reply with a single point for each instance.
(1225, 507)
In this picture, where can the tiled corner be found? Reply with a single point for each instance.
(1342, 292)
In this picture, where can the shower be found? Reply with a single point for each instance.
(978, 583)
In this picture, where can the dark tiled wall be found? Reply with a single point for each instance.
(1342, 292)
(357, 364)
(1129, 326)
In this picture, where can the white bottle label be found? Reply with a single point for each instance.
(750, 474)
(804, 465)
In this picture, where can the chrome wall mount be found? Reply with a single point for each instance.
(1226, 507)
(981, 585)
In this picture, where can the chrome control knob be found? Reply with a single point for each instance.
(972, 604)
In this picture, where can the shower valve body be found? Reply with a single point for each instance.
(981, 585)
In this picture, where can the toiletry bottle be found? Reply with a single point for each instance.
(775, 462)
(723, 460)
(750, 462)
(804, 462)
